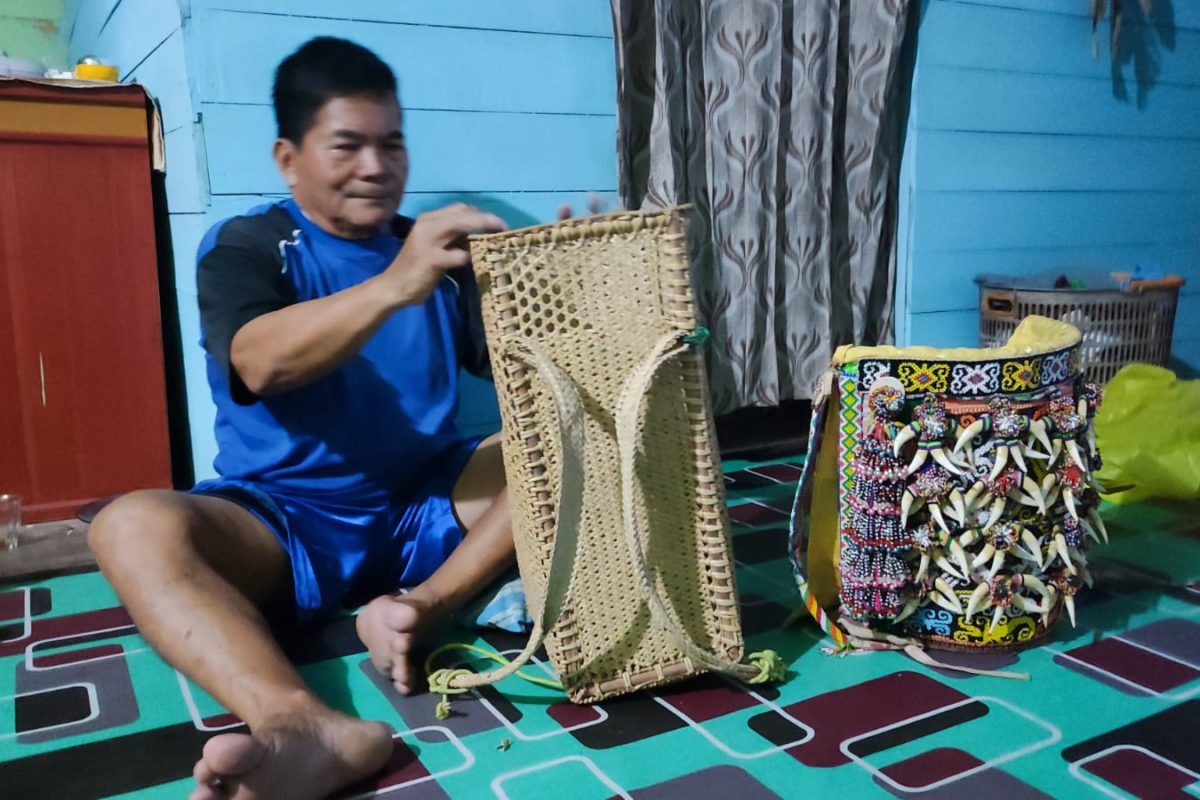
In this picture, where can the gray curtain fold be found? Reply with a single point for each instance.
(777, 120)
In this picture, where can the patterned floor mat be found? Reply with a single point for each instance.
(1111, 710)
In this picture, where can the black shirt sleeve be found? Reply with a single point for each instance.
(239, 279)
(471, 345)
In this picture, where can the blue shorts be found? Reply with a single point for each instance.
(344, 550)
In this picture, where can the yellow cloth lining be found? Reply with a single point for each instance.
(1034, 336)
(823, 541)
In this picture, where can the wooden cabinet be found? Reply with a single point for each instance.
(83, 410)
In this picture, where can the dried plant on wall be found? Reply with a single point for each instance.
(1113, 8)
(1142, 33)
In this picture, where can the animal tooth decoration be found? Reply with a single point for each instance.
(1089, 403)
(1007, 428)
(931, 426)
(931, 486)
(1067, 584)
(948, 499)
(931, 542)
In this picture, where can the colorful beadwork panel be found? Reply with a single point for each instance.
(87, 710)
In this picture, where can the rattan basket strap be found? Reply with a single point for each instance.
(799, 522)
(568, 511)
(765, 666)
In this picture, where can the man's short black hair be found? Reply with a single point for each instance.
(322, 69)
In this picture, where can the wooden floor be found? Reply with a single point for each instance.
(45, 549)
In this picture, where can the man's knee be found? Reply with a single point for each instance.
(137, 524)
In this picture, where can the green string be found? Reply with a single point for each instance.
(696, 337)
(440, 680)
(770, 665)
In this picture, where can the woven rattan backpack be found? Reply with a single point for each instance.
(616, 494)
(947, 500)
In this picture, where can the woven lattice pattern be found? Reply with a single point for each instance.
(596, 294)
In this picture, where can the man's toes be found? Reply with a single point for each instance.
(204, 774)
(205, 793)
(233, 754)
(205, 777)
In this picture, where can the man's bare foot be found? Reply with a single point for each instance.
(392, 627)
(293, 756)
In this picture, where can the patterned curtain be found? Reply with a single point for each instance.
(778, 120)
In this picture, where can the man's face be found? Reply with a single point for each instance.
(349, 170)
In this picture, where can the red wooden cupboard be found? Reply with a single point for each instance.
(83, 409)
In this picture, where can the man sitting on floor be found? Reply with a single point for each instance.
(334, 333)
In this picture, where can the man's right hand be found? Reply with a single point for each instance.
(437, 243)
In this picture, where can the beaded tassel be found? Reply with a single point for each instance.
(873, 569)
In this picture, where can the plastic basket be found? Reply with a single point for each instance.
(1122, 324)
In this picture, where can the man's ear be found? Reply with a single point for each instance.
(284, 153)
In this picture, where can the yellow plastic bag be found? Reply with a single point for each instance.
(1148, 430)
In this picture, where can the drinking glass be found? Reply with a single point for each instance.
(10, 520)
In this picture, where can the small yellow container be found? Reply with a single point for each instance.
(96, 72)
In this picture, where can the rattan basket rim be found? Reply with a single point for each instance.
(1069, 296)
(579, 227)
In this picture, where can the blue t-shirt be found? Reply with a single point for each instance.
(381, 416)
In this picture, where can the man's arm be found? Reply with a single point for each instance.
(297, 344)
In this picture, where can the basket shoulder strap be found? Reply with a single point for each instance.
(568, 508)
(765, 666)
(570, 423)
(825, 401)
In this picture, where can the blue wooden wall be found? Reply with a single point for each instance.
(509, 106)
(1020, 158)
